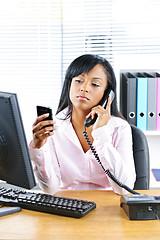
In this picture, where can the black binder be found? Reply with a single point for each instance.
(128, 97)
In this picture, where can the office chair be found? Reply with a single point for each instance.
(141, 159)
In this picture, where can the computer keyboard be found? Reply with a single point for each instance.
(64, 206)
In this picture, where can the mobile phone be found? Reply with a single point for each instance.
(43, 110)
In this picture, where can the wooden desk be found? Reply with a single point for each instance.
(107, 221)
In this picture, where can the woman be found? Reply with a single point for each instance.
(61, 155)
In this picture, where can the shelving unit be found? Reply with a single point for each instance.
(150, 62)
(152, 133)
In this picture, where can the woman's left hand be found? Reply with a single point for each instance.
(103, 114)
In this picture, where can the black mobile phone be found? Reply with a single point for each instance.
(42, 110)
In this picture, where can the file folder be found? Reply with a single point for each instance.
(156, 173)
(141, 101)
(128, 101)
(152, 102)
(158, 103)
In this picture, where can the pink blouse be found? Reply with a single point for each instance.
(62, 164)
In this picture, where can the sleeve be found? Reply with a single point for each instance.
(46, 167)
(114, 147)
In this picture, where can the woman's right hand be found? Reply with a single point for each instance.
(42, 129)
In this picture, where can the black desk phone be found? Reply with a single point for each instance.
(141, 206)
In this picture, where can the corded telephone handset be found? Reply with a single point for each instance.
(89, 121)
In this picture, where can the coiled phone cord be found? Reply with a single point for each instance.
(108, 173)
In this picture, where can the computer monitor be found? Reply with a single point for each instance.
(15, 162)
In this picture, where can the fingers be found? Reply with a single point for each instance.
(39, 138)
(92, 113)
(103, 114)
(100, 111)
(41, 122)
(42, 129)
(44, 133)
(43, 125)
(40, 118)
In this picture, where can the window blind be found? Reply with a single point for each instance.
(110, 28)
(30, 54)
(39, 39)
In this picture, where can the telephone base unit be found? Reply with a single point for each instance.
(141, 207)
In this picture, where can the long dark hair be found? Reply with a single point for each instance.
(84, 64)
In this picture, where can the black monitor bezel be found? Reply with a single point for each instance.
(15, 161)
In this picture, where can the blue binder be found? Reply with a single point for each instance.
(142, 86)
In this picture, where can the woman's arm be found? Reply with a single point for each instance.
(113, 144)
(43, 154)
(46, 167)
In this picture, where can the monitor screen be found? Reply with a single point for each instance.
(15, 162)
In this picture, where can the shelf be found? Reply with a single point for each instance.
(152, 133)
